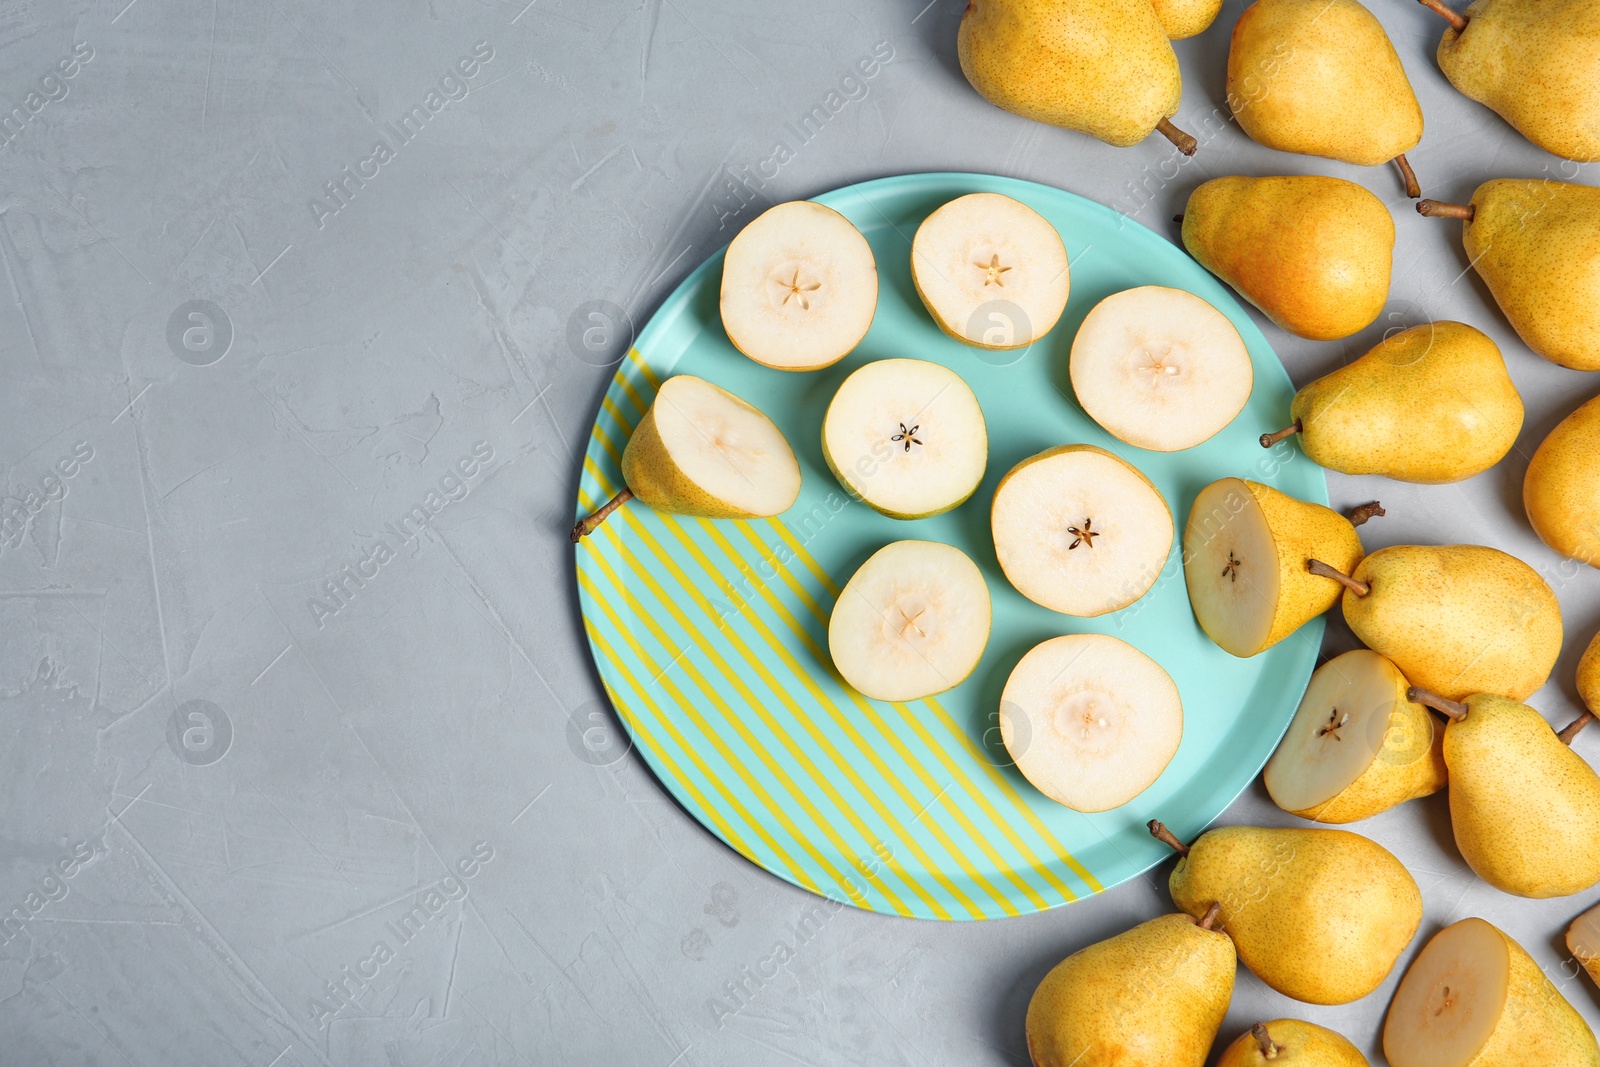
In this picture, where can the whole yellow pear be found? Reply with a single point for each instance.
(1153, 996)
(1276, 887)
(1561, 491)
(1313, 253)
(1291, 1043)
(1537, 63)
(1321, 77)
(1457, 619)
(1103, 67)
(1536, 245)
(1430, 404)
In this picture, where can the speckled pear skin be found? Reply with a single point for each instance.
(1524, 806)
(1304, 531)
(1561, 492)
(1589, 681)
(1299, 1044)
(1536, 244)
(1320, 77)
(1538, 1025)
(1154, 995)
(1186, 18)
(1536, 63)
(1274, 886)
(1103, 67)
(1458, 619)
(1313, 253)
(1430, 404)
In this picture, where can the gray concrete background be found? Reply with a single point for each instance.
(214, 800)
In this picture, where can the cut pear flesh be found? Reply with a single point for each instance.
(991, 271)
(1160, 368)
(1090, 720)
(911, 622)
(1080, 531)
(907, 437)
(1231, 563)
(1450, 1000)
(710, 454)
(1341, 725)
(1583, 941)
(799, 287)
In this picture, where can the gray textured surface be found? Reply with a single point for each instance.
(436, 715)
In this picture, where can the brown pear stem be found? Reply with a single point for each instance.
(1359, 588)
(1159, 831)
(1413, 190)
(1456, 20)
(1186, 144)
(1269, 1048)
(1575, 727)
(1270, 439)
(1208, 921)
(1453, 710)
(1438, 209)
(588, 526)
(1360, 515)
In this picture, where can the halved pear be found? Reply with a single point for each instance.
(1583, 941)
(1160, 368)
(911, 622)
(1474, 996)
(1090, 720)
(700, 450)
(906, 437)
(799, 287)
(1080, 530)
(1356, 745)
(991, 271)
(1246, 549)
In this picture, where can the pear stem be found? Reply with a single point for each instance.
(1270, 439)
(1453, 710)
(1269, 1048)
(1413, 190)
(588, 525)
(1360, 515)
(1575, 727)
(1208, 921)
(1186, 144)
(1457, 22)
(1359, 588)
(1438, 209)
(1159, 831)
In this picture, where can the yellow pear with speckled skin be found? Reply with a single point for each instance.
(1103, 67)
(1536, 245)
(1430, 404)
(1153, 996)
(1561, 491)
(1291, 1043)
(1589, 675)
(1321, 77)
(1318, 915)
(1313, 253)
(1186, 18)
(1536, 63)
(1457, 619)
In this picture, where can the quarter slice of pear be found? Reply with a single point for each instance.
(799, 287)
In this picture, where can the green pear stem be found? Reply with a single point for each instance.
(1456, 20)
(589, 525)
(1575, 727)
(1359, 588)
(1453, 710)
(1159, 831)
(1208, 921)
(1270, 439)
(1413, 190)
(1438, 209)
(1269, 1048)
(1186, 144)
(1359, 516)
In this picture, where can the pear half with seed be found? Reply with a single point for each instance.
(799, 287)
(990, 270)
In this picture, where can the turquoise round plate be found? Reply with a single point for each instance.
(711, 636)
